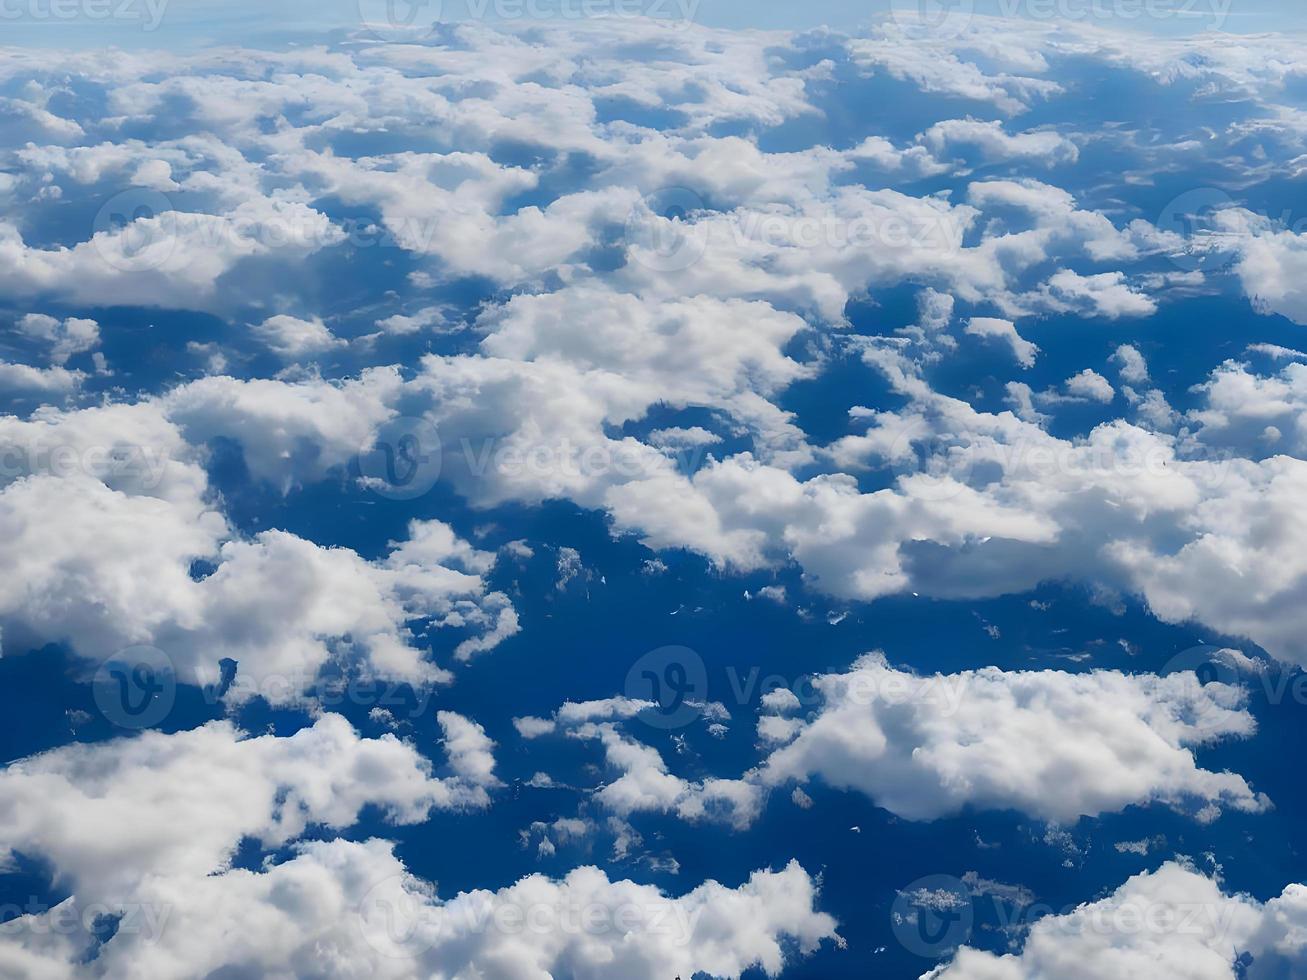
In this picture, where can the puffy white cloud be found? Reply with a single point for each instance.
(145, 828)
(291, 338)
(1105, 294)
(24, 379)
(1239, 405)
(1130, 364)
(1091, 386)
(993, 144)
(353, 909)
(1005, 331)
(135, 514)
(1271, 262)
(289, 432)
(171, 258)
(1049, 744)
(644, 782)
(1170, 922)
(72, 335)
(112, 815)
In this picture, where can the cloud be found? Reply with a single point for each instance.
(292, 338)
(112, 815)
(354, 904)
(993, 145)
(144, 830)
(1091, 386)
(1049, 744)
(1006, 332)
(116, 570)
(1172, 922)
(1271, 262)
(1130, 364)
(72, 335)
(22, 379)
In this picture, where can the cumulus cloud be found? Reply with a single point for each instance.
(1090, 386)
(116, 569)
(1006, 332)
(144, 830)
(291, 338)
(1130, 364)
(72, 335)
(1049, 744)
(112, 815)
(354, 905)
(1173, 922)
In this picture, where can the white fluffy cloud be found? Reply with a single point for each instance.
(144, 829)
(643, 782)
(1005, 331)
(352, 909)
(1052, 745)
(1172, 922)
(113, 815)
(1090, 385)
(115, 570)
(72, 335)
(291, 337)
(1049, 744)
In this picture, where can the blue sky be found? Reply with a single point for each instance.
(199, 23)
(555, 495)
